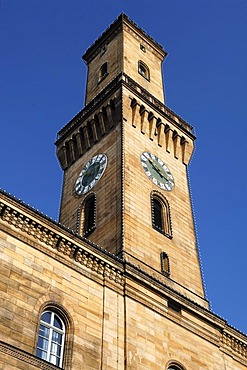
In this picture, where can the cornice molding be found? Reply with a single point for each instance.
(26, 357)
(121, 22)
(234, 346)
(105, 112)
(92, 258)
(117, 82)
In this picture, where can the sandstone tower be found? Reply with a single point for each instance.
(116, 284)
(125, 120)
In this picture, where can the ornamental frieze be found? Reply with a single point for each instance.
(63, 245)
(235, 344)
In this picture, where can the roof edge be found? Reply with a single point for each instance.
(120, 20)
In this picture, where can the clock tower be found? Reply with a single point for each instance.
(125, 157)
(116, 283)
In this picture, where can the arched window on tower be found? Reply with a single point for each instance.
(161, 220)
(143, 70)
(51, 337)
(103, 72)
(88, 215)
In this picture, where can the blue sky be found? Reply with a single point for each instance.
(42, 84)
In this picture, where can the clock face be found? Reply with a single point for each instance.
(90, 174)
(157, 171)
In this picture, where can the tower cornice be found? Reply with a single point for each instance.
(122, 21)
(123, 79)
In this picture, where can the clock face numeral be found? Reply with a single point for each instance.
(90, 174)
(157, 171)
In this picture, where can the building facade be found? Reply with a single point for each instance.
(116, 283)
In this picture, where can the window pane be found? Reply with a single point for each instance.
(54, 360)
(56, 337)
(41, 354)
(57, 322)
(43, 343)
(55, 349)
(46, 317)
(44, 331)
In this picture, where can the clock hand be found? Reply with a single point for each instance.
(157, 169)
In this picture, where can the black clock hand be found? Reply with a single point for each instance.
(156, 168)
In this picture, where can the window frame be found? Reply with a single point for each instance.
(143, 70)
(52, 328)
(165, 214)
(174, 365)
(103, 71)
(82, 229)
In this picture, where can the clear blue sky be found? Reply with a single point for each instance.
(42, 83)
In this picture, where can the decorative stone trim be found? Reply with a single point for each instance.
(66, 247)
(60, 243)
(96, 120)
(148, 123)
(90, 261)
(23, 356)
(87, 132)
(29, 226)
(236, 345)
(122, 22)
(139, 90)
(157, 104)
(91, 107)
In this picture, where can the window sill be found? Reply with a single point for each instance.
(162, 232)
(146, 77)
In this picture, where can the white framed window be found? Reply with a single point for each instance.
(50, 346)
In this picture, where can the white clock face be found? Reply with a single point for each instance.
(157, 171)
(90, 174)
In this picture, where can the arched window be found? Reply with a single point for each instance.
(161, 220)
(158, 214)
(50, 346)
(143, 70)
(175, 367)
(103, 72)
(165, 265)
(88, 215)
